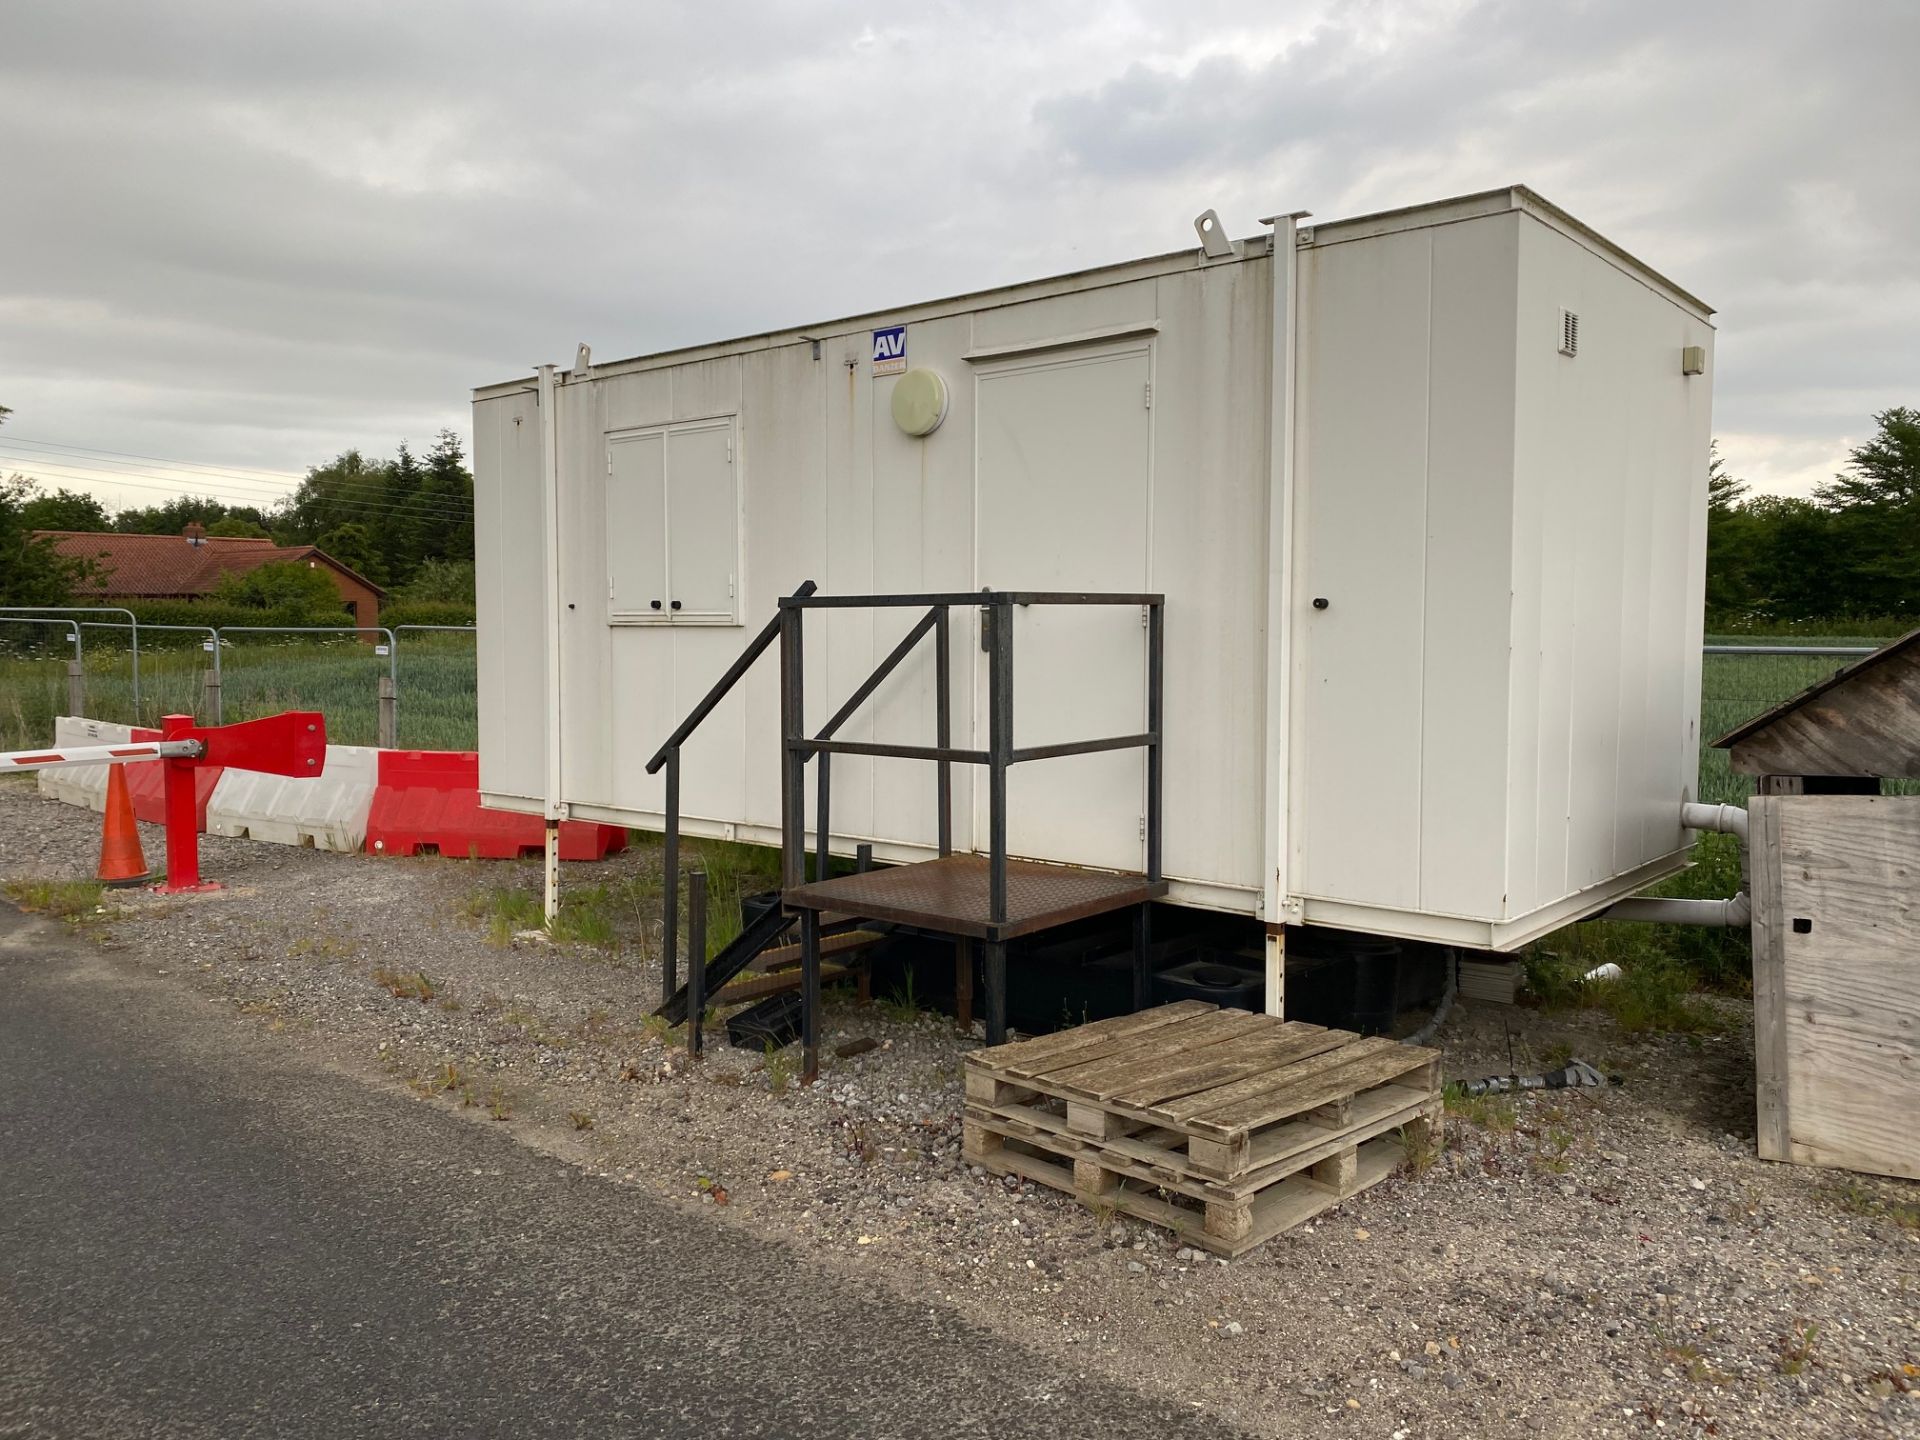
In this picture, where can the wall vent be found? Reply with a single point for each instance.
(1569, 333)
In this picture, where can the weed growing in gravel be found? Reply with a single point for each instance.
(67, 899)
(780, 1070)
(1421, 1145)
(1794, 1350)
(1859, 1199)
(499, 1104)
(404, 986)
(902, 1006)
(581, 1119)
(586, 918)
(1655, 992)
(658, 1027)
(1489, 1112)
(504, 911)
(451, 1078)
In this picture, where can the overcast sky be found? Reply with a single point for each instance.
(250, 235)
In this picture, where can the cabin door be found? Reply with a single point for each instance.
(1064, 474)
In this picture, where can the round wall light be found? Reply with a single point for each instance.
(919, 402)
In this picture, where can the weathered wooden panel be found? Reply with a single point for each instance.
(1837, 980)
(1865, 724)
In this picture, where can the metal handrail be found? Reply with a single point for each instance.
(1000, 754)
(669, 756)
(824, 746)
(756, 647)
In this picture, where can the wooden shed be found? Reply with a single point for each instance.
(1836, 922)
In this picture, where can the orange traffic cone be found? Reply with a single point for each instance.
(121, 859)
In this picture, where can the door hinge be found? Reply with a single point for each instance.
(1149, 388)
(729, 450)
(1143, 827)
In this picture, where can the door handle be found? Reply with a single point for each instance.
(676, 604)
(656, 604)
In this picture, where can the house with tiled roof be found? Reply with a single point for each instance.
(189, 566)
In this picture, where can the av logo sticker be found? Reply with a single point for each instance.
(890, 350)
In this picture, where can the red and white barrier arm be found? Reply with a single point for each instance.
(101, 754)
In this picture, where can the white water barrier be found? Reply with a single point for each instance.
(82, 784)
(326, 811)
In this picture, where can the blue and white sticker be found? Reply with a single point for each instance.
(890, 350)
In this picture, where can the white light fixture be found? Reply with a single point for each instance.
(919, 401)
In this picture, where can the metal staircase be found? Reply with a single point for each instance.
(984, 900)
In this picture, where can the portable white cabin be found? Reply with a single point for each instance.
(1424, 492)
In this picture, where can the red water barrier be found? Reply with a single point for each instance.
(430, 799)
(147, 782)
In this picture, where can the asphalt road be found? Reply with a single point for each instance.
(204, 1234)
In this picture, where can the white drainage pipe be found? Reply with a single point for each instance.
(1732, 914)
(1723, 914)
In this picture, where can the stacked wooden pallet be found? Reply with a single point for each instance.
(1223, 1126)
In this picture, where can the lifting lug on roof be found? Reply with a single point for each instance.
(1213, 239)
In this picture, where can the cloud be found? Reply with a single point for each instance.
(255, 235)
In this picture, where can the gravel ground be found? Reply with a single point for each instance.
(1571, 1263)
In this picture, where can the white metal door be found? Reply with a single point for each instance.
(1064, 456)
(636, 539)
(703, 548)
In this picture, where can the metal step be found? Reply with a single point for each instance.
(765, 928)
(758, 987)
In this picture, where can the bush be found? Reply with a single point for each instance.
(203, 613)
(427, 612)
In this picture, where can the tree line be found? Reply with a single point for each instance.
(406, 524)
(1845, 560)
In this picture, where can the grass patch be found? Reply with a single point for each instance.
(67, 899)
(1793, 1351)
(902, 1006)
(1860, 1199)
(781, 1068)
(503, 912)
(1489, 1112)
(1421, 1145)
(586, 918)
(1657, 992)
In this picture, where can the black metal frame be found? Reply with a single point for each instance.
(797, 748)
(1001, 754)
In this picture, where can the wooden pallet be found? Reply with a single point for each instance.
(1224, 1126)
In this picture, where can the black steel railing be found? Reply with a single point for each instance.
(1000, 755)
(669, 756)
(797, 747)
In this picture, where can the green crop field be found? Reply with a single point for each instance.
(261, 675)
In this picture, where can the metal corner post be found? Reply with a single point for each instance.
(549, 390)
(1278, 747)
(670, 884)
(943, 724)
(793, 756)
(999, 751)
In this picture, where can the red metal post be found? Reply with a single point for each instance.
(183, 831)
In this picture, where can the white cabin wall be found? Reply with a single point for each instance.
(509, 533)
(1361, 460)
(1610, 461)
(919, 539)
(1211, 392)
(1469, 590)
